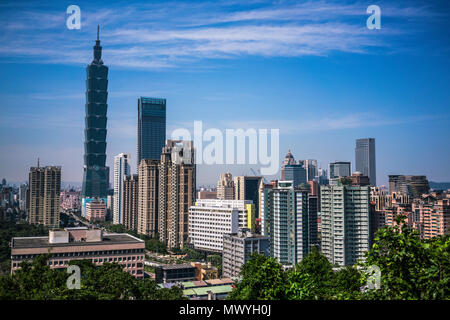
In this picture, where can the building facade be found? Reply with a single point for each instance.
(130, 202)
(80, 244)
(238, 248)
(290, 220)
(288, 160)
(345, 223)
(151, 128)
(339, 169)
(246, 188)
(295, 173)
(414, 186)
(45, 188)
(148, 198)
(365, 160)
(225, 187)
(177, 186)
(121, 170)
(96, 173)
(96, 210)
(209, 220)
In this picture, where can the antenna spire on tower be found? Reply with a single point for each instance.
(98, 32)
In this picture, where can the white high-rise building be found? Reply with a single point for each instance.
(210, 219)
(345, 215)
(290, 220)
(121, 169)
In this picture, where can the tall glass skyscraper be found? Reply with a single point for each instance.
(365, 159)
(96, 174)
(151, 128)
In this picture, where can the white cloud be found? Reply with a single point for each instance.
(156, 36)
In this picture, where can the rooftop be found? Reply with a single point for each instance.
(176, 266)
(42, 242)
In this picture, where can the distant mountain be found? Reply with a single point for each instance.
(439, 185)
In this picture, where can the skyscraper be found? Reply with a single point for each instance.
(45, 187)
(151, 128)
(288, 160)
(225, 187)
(96, 174)
(339, 169)
(295, 173)
(176, 192)
(290, 221)
(121, 169)
(130, 201)
(345, 222)
(365, 159)
(23, 196)
(310, 166)
(147, 217)
(247, 188)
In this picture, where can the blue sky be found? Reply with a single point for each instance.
(310, 68)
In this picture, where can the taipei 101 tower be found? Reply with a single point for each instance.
(96, 174)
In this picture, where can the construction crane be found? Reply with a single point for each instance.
(259, 174)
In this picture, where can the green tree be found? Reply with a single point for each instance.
(37, 281)
(411, 268)
(262, 279)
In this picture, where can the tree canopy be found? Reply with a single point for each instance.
(37, 281)
(410, 268)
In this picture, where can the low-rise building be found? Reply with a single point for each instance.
(175, 273)
(238, 248)
(80, 244)
(96, 210)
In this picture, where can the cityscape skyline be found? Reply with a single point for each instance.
(291, 150)
(391, 114)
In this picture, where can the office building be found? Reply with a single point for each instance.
(310, 166)
(288, 160)
(130, 201)
(339, 169)
(206, 194)
(23, 196)
(96, 174)
(96, 210)
(365, 159)
(148, 199)
(264, 205)
(414, 186)
(358, 179)
(345, 223)
(177, 186)
(322, 177)
(121, 170)
(209, 220)
(225, 187)
(246, 188)
(81, 244)
(45, 188)
(238, 248)
(290, 221)
(151, 128)
(295, 173)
